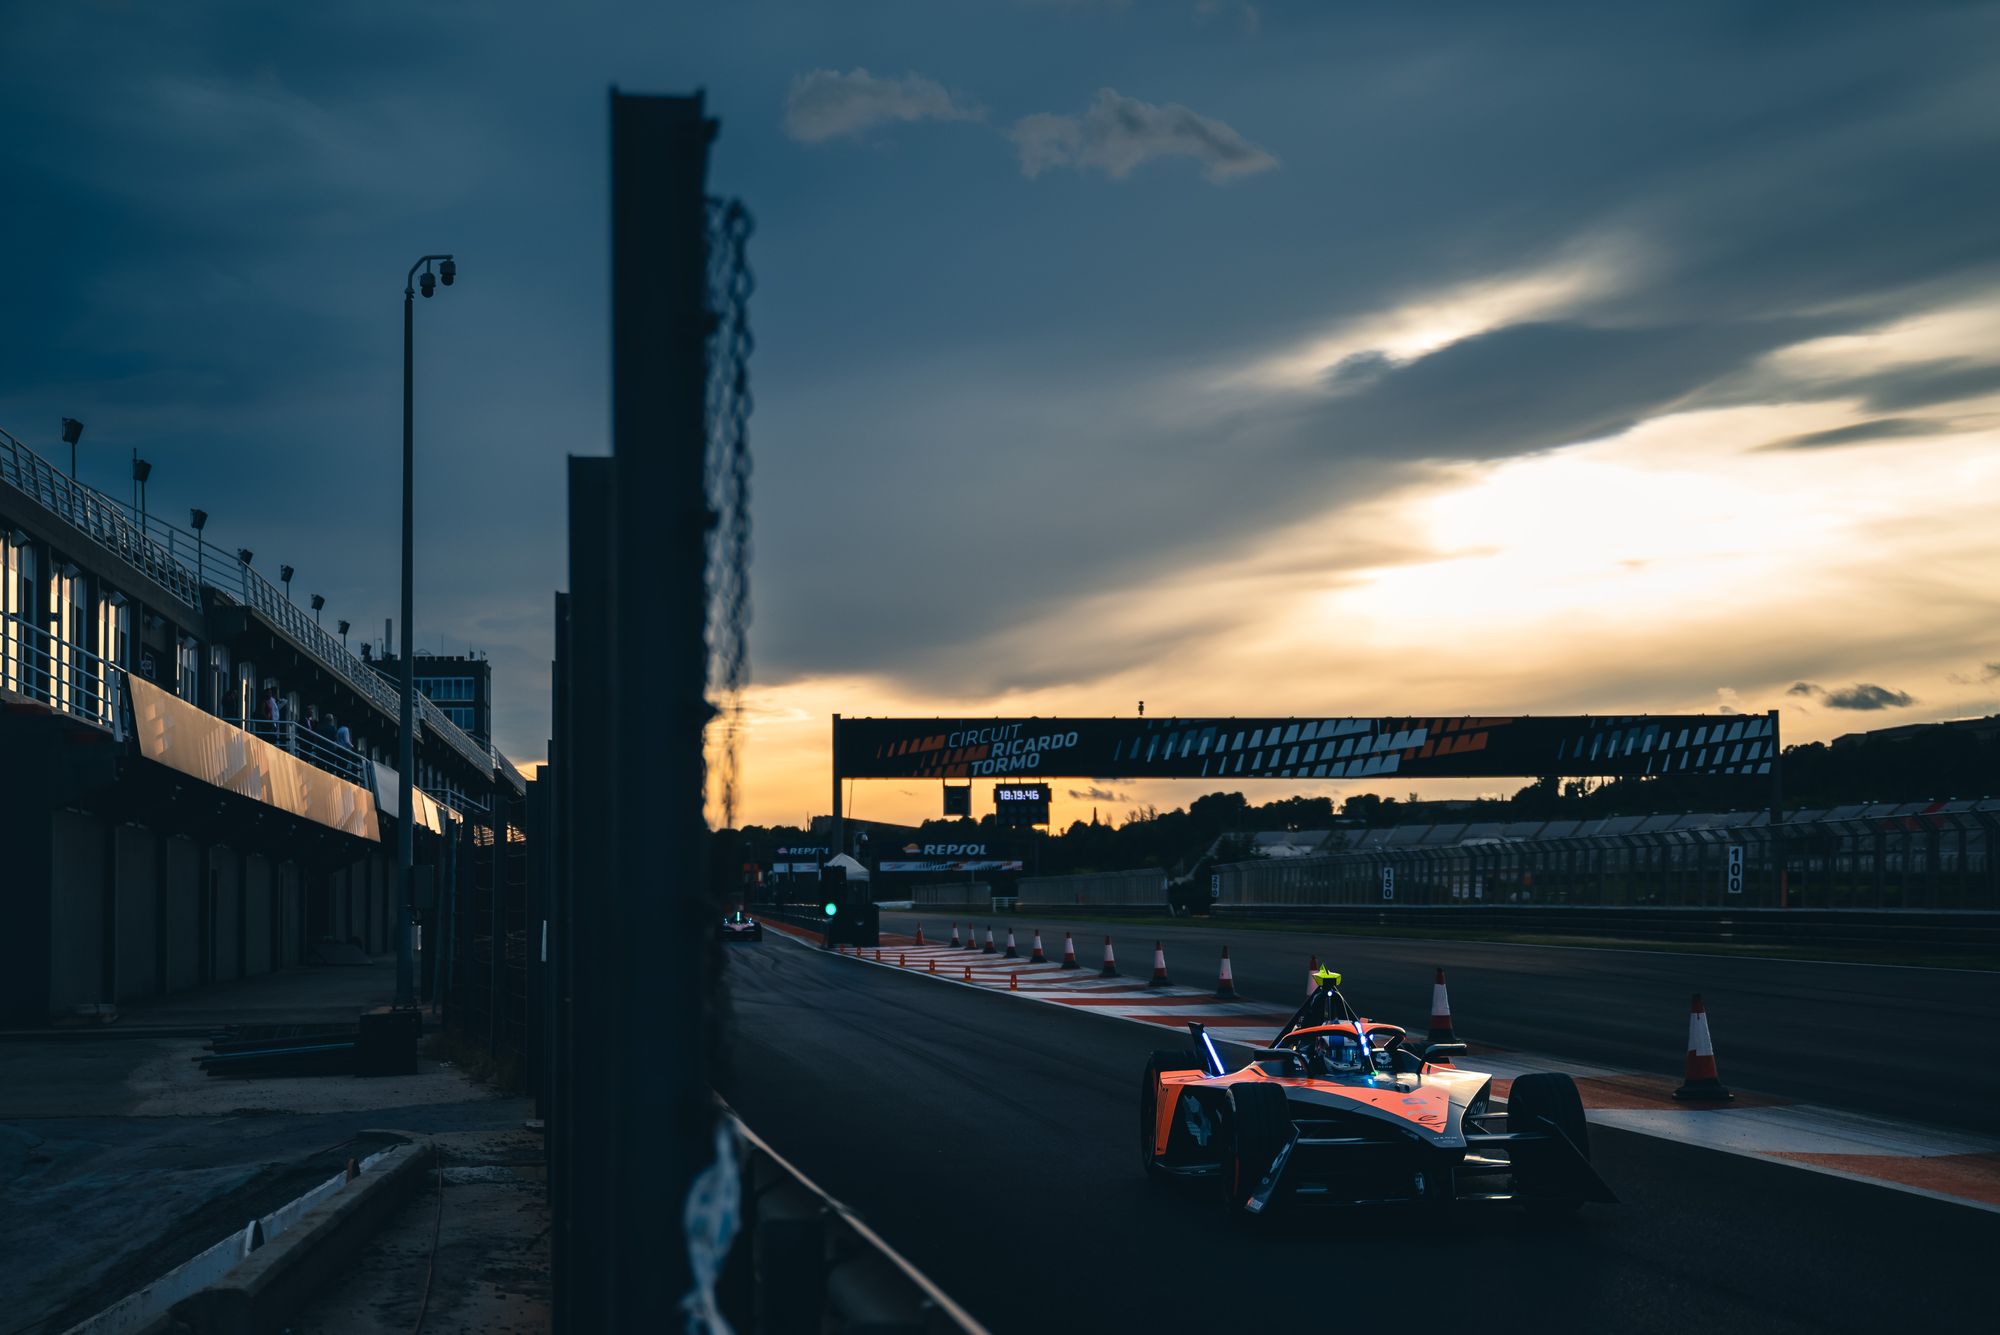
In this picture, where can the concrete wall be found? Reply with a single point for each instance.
(291, 909)
(258, 917)
(26, 847)
(181, 924)
(136, 908)
(79, 894)
(225, 901)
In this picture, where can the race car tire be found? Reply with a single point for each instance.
(1260, 1123)
(1163, 1059)
(1534, 1102)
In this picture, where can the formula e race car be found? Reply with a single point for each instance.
(1342, 1110)
(739, 926)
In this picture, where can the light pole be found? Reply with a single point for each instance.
(198, 520)
(72, 433)
(406, 756)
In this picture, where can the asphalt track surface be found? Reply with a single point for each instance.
(991, 1141)
(1918, 1045)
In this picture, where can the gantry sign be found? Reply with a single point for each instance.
(1311, 748)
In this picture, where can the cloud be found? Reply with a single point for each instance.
(1097, 794)
(1525, 387)
(1926, 383)
(826, 104)
(1882, 428)
(1862, 695)
(1118, 134)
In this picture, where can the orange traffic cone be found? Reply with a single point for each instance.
(878, 954)
(920, 935)
(1441, 1012)
(1225, 983)
(1014, 983)
(989, 942)
(1036, 956)
(1110, 969)
(1701, 1083)
(968, 973)
(954, 936)
(1159, 978)
(1011, 952)
(933, 964)
(902, 960)
(1069, 951)
(1312, 975)
(971, 938)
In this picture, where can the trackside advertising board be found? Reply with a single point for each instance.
(1304, 748)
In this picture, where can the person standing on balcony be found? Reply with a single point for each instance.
(343, 736)
(312, 718)
(268, 711)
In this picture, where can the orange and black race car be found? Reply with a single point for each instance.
(1341, 1110)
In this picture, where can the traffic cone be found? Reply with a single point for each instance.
(968, 973)
(1069, 951)
(1225, 983)
(1037, 957)
(1701, 1084)
(920, 935)
(1014, 983)
(1312, 975)
(1011, 952)
(971, 938)
(1110, 969)
(902, 960)
(933, 964)
(1441, 1013)
(989, 943)
(1159, 978)
(954, 936)
(878, 954)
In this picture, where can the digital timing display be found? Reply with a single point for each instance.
(1021, 803)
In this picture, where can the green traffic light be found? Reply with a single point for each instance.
(832, 909)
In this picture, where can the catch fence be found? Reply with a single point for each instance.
(1911, 856)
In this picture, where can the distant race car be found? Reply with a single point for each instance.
(1341, 1110)
(739, 926)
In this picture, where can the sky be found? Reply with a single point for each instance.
(1279, 358)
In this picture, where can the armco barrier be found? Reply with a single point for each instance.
(953, 895)
(1937, 931)
(802, 1261)
(1132, 891)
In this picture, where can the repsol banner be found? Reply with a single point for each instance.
(1293, 748)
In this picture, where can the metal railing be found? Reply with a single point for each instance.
(318, 751)
(98, 517)
(174, 558)
(66, 677)
(259, 594)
